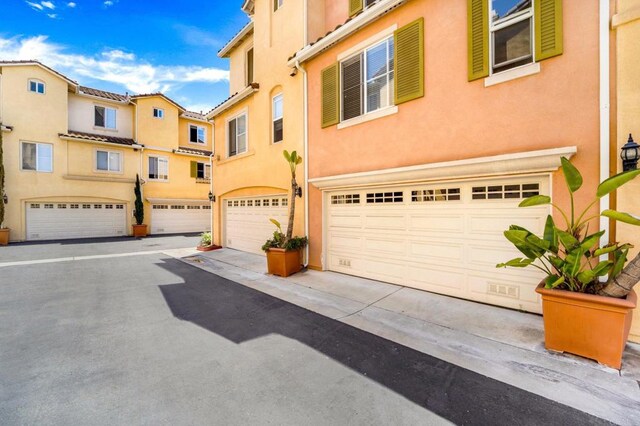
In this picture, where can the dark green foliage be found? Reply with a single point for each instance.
(139, 205)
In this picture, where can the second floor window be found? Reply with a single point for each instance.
(237, 135)
(511, 28)
(158, 113)
(203, 171)
(105, 117)
(158, 168)
(277, 4)
(36, 86)
(367, 80)
(108, 161)
(249, 66)
(37, 157)
(277, 119)
(197, 134)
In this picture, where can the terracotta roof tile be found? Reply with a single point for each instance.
(97, 138)
(196, 115)
(253, 85)
(162, 95)
(103, 94)
(192, 151)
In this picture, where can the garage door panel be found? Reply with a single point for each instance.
(58, 221)
(437, 239)
(180, 218)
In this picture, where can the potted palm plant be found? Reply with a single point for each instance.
(587, 295)
(4, 232)
(206, 242)
(139, 229)
(284, 251)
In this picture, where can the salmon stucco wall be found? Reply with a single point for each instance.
(627, 26)
(457, 119)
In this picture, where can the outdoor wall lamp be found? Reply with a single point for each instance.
(212, 197)
(299, 192)
(630, 154)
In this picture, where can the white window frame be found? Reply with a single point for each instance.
(507, 22)
(115, 118)
(198, 128)
(206, 167)
(38, 83)
(274, 118)
(246, 65)
(158, 159)
(244, 112)
(38, 145)
(363, 52)
(278, 4)
(109, 152)
(369, 3)
(158, 113)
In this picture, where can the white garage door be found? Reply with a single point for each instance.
(180, 218)
(445, 238)
(57, 221)
(246, 221)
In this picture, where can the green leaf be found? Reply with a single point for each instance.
(567, 240)
(553, 281)
(585, 277)
(538, 242)
(615, 182)
(536, 200)
(591, 240)
(550, 234)
(602, 268)
(620, 258)
(573, 261)
(519, 239)
(276, 223)
(571, 175)
(621, 217)
(606, 249)
(518, 262)
(557, 262)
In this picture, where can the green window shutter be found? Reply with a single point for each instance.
(330, 95)
(194, 169)
(355, 6)
(548, 23)
(478, 38)
(408, 60)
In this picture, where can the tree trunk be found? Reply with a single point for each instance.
(292, 209)
(621, 285)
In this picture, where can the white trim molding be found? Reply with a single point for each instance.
(546, 160)
(177, 201)
(373, 115)
(236, 40)
(512, 74)
(244, 93)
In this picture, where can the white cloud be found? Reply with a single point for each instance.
(52, 15)
(197, 37)
(108, 3)
(115, 66)
(48, 4)
(71, 4)
(35, 6)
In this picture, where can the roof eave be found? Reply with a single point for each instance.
(245, 93)
(72, 83)
(236, 40)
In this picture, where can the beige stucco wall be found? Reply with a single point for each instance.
(263, 169)
(238, 64)
(183, 129)
(82, 116)
(627, 25)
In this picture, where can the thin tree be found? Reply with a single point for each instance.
(293, 159)
(1, 180)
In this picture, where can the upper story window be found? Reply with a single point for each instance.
(277, 120)
(237, 135)
(511, 28)
(105, 117)
(277, 4)
(197, 134)
(158, 168)
(249, 66)
(36, 86)
(37, 156)
(108, 161)
(203, 171)
(367, 80)
(158, 113)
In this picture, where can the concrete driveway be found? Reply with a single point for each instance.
(118, 332)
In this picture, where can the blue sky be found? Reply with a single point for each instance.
(139, 46)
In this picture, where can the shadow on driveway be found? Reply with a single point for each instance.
(239, 314)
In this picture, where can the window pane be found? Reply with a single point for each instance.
(40, 87)
(242, 143)
(193, 133)
(376, 61)
(103, 160)
(114, 161)
(377, 93)
(277, 107)
(352, 88)
(242, 124)
(111, 118)
(45, 163)
(207, 171)
(201, 138)
(512, 45)
(163, 168)
(33, 86)
(28, 156)
(153, 168)
(501, 9)
(99, 116)
(232, 138)
(249, 66)
(277, 130)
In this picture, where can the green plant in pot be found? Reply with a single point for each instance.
(587, 295)
(4, 232)
(284, 251)
(139, 229)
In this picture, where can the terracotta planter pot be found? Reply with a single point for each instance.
(594, 327)
(139, 230)
(208, 248)
(4, 236)
(284, 263)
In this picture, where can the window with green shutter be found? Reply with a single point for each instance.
(478, 38)
(330, 95)
(355, 6)
(548, 25)
(194, 169)
(409, 62)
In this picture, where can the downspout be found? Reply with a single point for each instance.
(213, 153)
(305, 149)
(605, 170)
